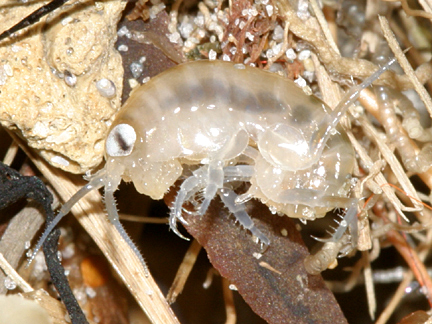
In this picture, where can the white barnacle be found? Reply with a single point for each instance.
(70, 79)
(59, 160)
(106, 88)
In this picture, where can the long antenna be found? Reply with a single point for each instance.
(330, 121)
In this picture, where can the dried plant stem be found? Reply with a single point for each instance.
(388, 311)
(90, 213)
(368, 100)
(370, 289)
(13, 275)
(379, 178)
(427, 5)
(330, 90)
(413, 260)
(143, 219)
(184, 271)
(413, 53)
(355, 68)
(324, 25)
(11, 153)
(22, 228)
(395, 166)
(231, 316)
(414, 12)
(349, 283)
(209, 277)
(328, 56)
(391, 40)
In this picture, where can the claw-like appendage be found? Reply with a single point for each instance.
(173, 222)
(228, 197)
(348, 220)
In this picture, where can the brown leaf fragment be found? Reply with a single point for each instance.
(274, 283)
(417, 317)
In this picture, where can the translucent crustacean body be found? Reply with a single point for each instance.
(220, 113)
(231, 123)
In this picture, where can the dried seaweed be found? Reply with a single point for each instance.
(14, 187)
(275, 283)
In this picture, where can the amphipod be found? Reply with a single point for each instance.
(227, 123)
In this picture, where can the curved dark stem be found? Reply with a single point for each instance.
(13, 187)
(54, 265)
(34, 17)
(59, 278)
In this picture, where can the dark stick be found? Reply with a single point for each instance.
(34, 17)
(13, 187)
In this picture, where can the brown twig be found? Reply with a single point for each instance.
(183, 271)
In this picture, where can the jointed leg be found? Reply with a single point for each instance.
(210, 177)
(314, 198)
(349, 219)
(190, 185)
(214, 181)
(238, 173)
(228, 197)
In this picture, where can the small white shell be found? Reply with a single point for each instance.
(106, 88)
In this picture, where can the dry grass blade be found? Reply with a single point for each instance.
(427, 5)
(229, 302)
(183, 271)
(143, 219)
(21, 228)
(388, 34)
(415, 263)
(10, 154)
(386, 314)
(413, 12)
(324, 26)
(55, 308)
(370, 288)
(394, 163)
(13, 275)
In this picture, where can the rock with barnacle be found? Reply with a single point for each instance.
(48, 79)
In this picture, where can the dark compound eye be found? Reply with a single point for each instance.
(121, 140)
